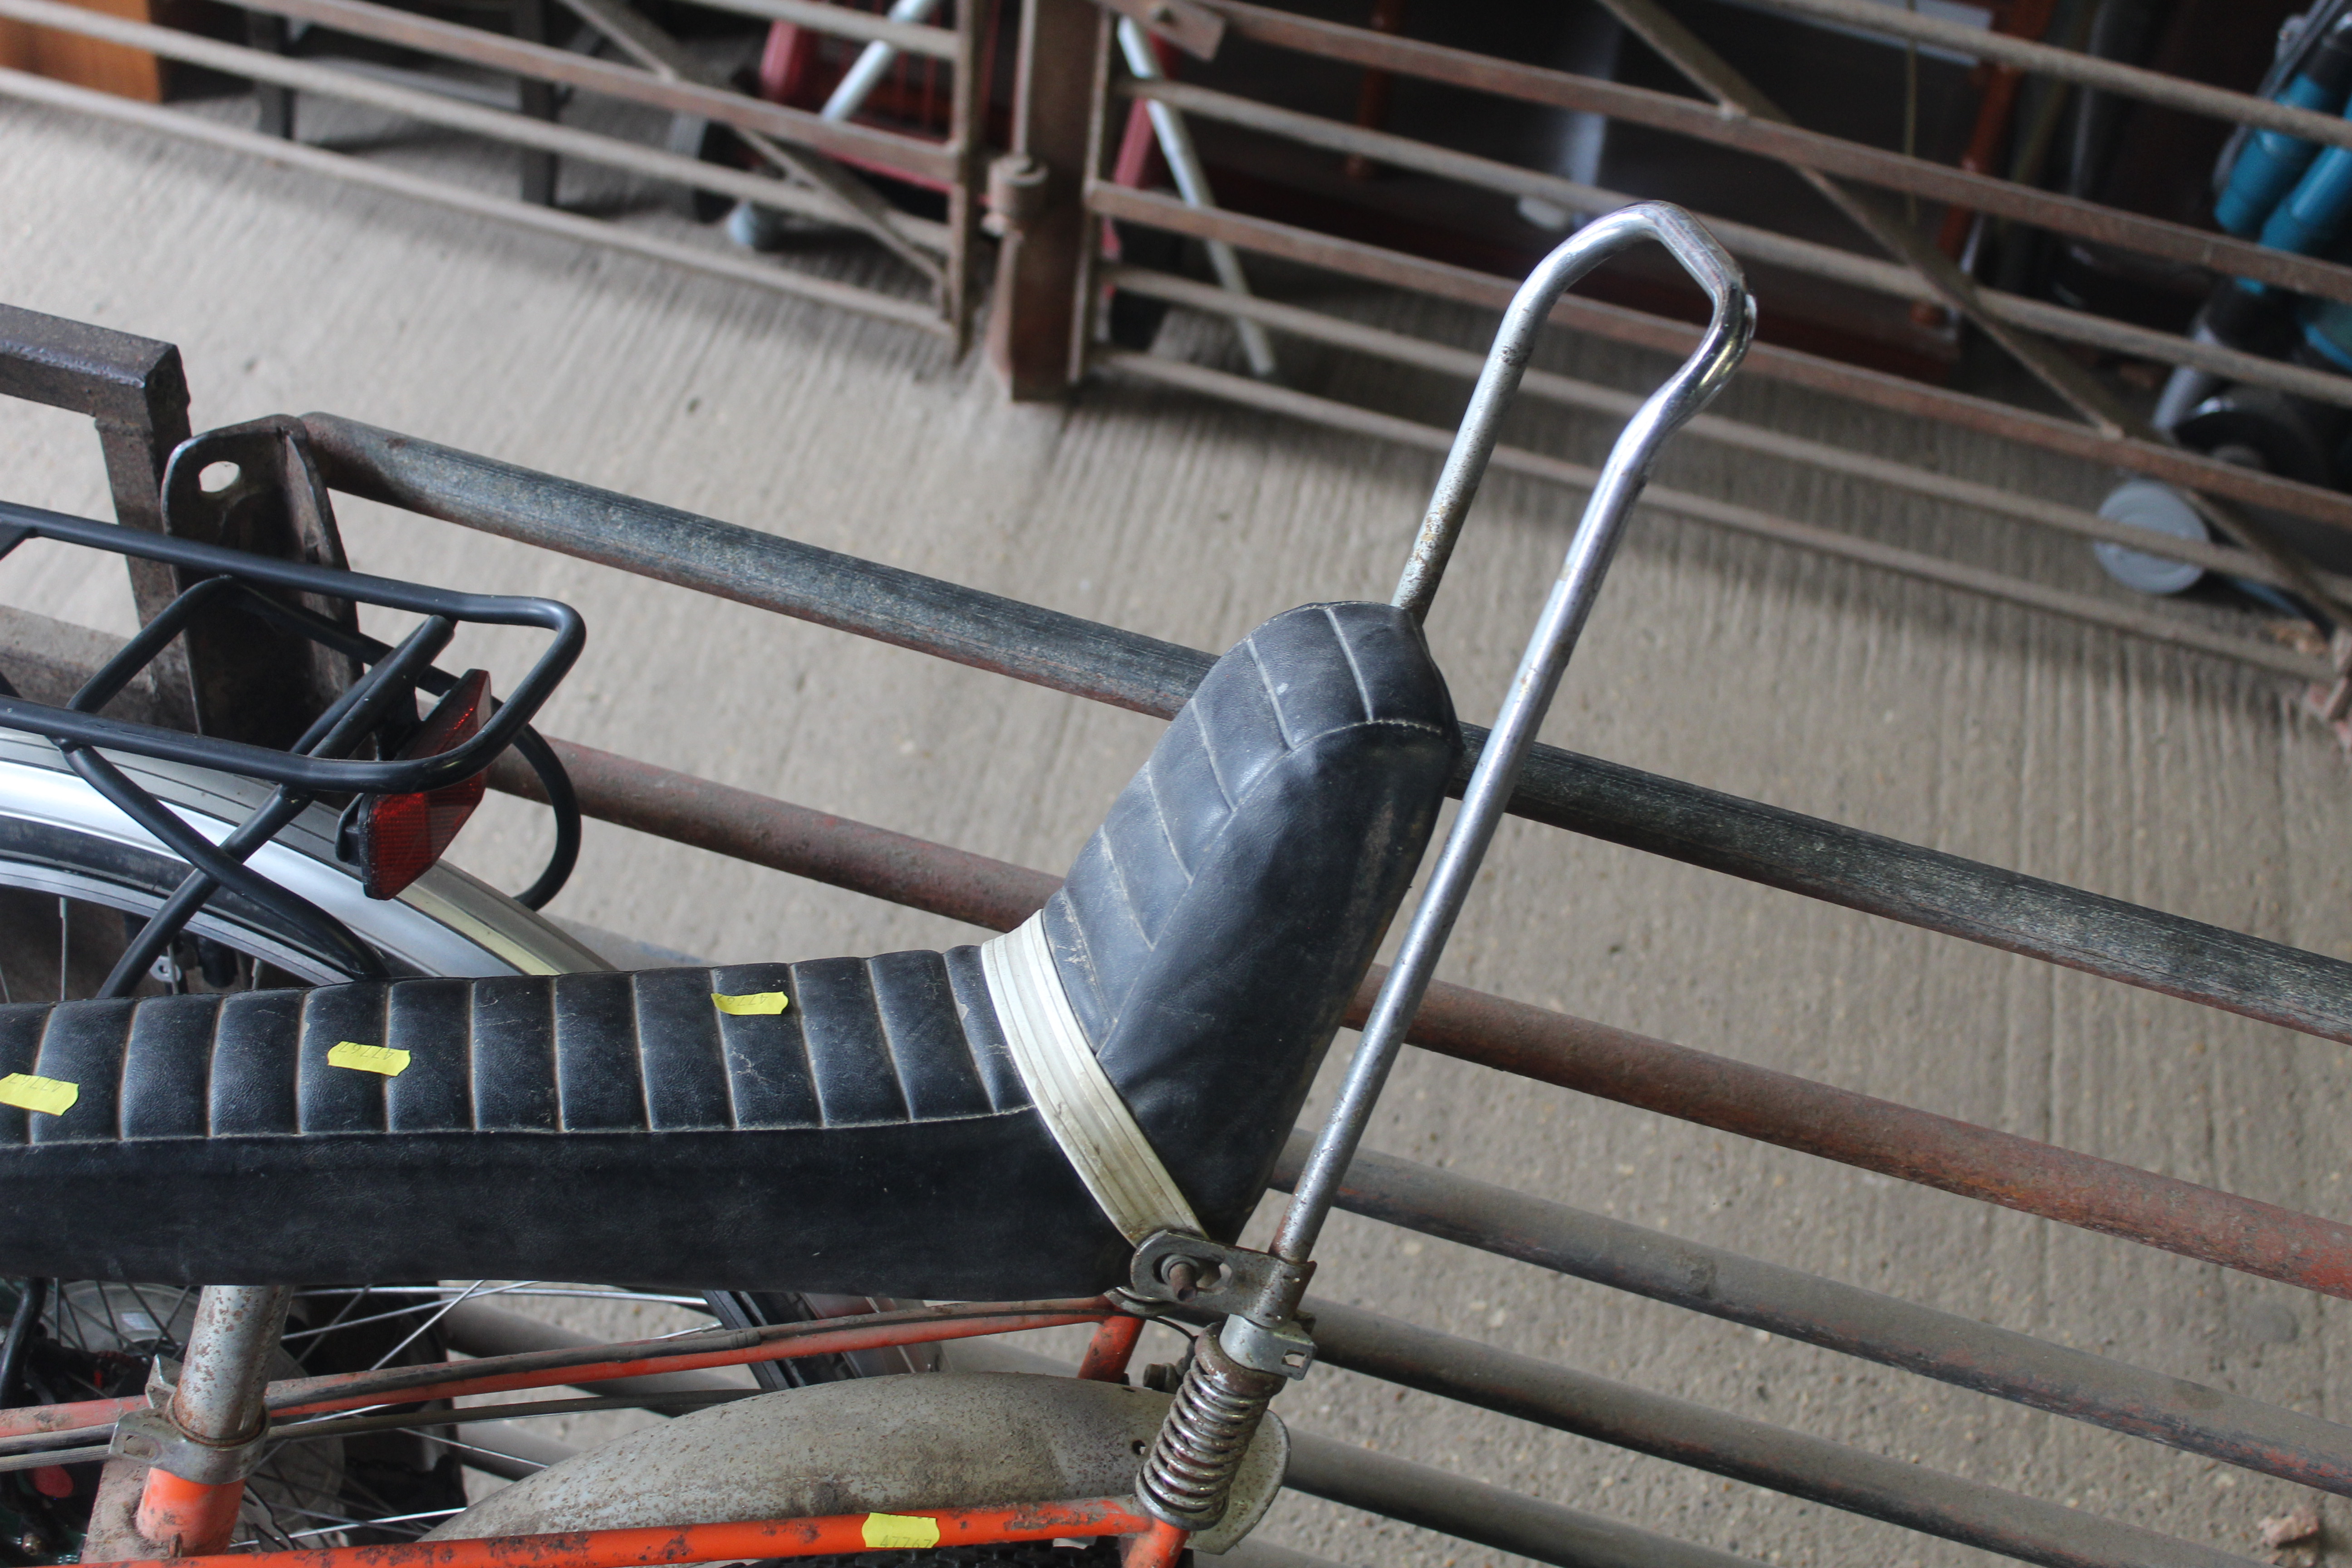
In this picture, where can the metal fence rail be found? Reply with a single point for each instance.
(797, 149)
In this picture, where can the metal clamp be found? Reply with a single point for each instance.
(1287, 1349)
(152, 1437)
(1208, 1276)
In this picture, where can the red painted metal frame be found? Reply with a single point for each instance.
(835, 1535)
(1107, 1355)
(189, 1517)
(1159, 1547)
(603, 1363)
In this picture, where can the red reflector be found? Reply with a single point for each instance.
(51, 1480)
(401, 836)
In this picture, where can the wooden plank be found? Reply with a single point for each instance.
(85, 62)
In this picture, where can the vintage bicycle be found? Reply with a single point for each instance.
(1074, 1118)
(1078, 1116)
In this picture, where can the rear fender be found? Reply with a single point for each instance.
(877, 1444)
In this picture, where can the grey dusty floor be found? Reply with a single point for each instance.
(1996, 733)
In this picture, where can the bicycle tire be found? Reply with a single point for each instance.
(59, 836)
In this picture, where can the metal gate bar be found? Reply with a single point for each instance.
(1609, 1063)
(545, 62)
(951, 166)
(1593, 397)
(1685, 1433)
(439, 108)
(2152, 624)
(1740, 239)
(1509, 1522)
(1786, 143)
(1844, 1318)
(1984, 44)
(2240, 974)
(554, 222)
(1894, 392)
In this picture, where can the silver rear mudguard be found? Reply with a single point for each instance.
(875, 1444)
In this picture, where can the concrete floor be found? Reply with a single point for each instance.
(2028, 742)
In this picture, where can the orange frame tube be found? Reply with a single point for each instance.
(1158, 1547)
(188, 1518)
(1108, 1351)
(841, 1535)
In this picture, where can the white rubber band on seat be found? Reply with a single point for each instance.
(1072, 1093)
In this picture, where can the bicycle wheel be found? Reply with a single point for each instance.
(59, 838)
(77, 879)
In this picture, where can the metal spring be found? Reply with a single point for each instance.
(1188, 1474)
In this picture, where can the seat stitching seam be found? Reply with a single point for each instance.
(1126, 898)
(890, 1041)
(1363, 693)
(1159, 815)
(1272, 702)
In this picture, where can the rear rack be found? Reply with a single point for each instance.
(376, 710)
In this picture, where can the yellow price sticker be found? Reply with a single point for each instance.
(368, 1059)
(899, 1532)
(49, 1096)
(753, 1004)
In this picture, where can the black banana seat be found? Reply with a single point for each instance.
(898, 1125)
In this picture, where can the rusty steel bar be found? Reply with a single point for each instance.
(553, 222)
(1041, 301)
(1891, 393)
(1787, 144)
(2156, 625)
(545, 62)
(649, 1357)
(1755, 244)
(1898, 1140)
(1844, 1318)
(1341, 332)
(1684, 1433)
(1674, 1080)
(135, 391)
(1786, 849)
(836, 851)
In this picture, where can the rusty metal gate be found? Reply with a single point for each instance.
(805, 159)
(1063, 85)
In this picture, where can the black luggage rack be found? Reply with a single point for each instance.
(352, 750)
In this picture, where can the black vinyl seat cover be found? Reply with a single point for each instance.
(873, 1137)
